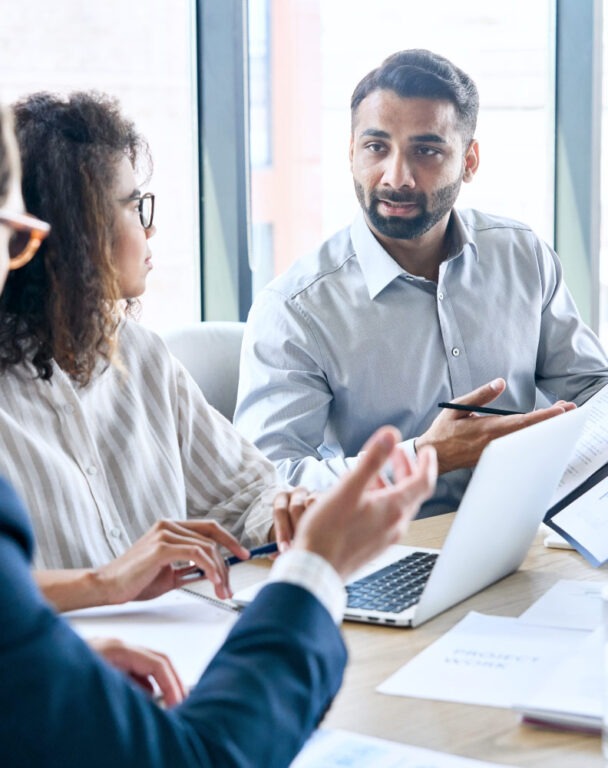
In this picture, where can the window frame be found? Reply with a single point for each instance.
(577, 147)
(223, 97)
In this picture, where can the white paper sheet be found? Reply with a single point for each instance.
(572, 692)
(187, 628)
(485, 660)
(343, 749)
(591, 450)
(568, 604)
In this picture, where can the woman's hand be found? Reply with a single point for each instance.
(147, 569)
(143, 666)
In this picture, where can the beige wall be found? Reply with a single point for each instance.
(288, 192)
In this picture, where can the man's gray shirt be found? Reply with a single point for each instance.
(346, 341)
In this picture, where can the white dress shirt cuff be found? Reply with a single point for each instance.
(314, 573)
(408, 447)
(351, 462)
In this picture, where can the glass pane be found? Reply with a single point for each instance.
(142, 53)
(317, 52)
(603, 271)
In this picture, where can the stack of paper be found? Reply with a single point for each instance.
(547, 664)
(571, 696)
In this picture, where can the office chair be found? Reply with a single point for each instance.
(211, 351)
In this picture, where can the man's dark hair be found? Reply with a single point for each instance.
(418, 73)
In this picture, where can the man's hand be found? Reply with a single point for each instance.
(355, 521)
(460, 437)
(142, 664)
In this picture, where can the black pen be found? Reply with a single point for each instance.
(254, 553)
(479, 409)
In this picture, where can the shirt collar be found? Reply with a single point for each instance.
(380, 269)
(461, 237)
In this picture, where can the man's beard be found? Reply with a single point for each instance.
(399, 228)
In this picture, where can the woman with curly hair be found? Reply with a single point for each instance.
(124, 466)
(273, 679)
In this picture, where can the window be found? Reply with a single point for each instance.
(260, 91)
(142, 53)
(603, 267)
(317, 52)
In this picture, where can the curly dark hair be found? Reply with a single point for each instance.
(62, 306)
(418, 73)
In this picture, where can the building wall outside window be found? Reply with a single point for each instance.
(142, 53)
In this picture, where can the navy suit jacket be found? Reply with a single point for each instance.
(61, 705)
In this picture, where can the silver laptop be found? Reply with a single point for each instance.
(495, 524)
(493, 529)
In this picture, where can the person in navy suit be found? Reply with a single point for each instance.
(272, 681)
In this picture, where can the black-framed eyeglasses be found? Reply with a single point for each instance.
(145, 208)
(28, 232)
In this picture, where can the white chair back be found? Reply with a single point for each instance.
(211, 352)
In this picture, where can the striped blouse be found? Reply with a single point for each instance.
(98, 465)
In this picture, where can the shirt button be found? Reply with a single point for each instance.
(440, 296)
(69, 409)
(115, 532)
(455, 351)
(92, 470)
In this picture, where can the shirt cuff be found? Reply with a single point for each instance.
(408, 447)
(312, 572)
(351, 462)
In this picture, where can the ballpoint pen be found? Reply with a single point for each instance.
(479, 409)
(256, 552)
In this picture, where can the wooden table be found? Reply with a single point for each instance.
(485, 733)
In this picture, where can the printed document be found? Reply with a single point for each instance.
(568, 604)
(486, 660)
(571, 694)
(591, 450)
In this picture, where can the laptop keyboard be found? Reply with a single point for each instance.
(394, 588)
